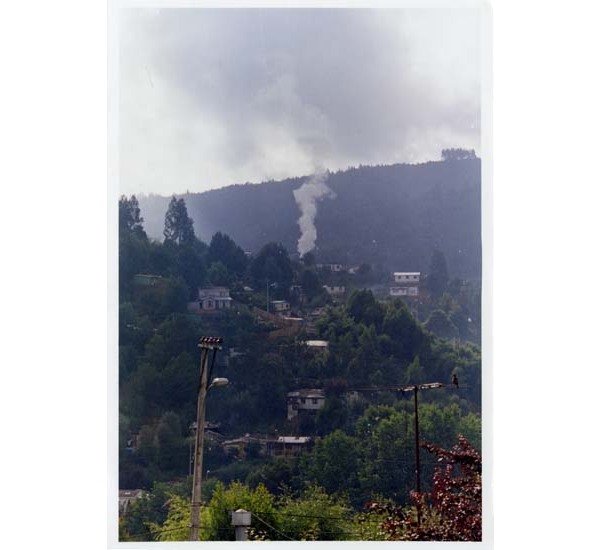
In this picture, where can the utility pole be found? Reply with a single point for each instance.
(417, 451)
(414, 388)
(206, 345)
(268, 285)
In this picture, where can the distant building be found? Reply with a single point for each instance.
(317, 344)
(211, 299)
(126, 497)
(239, 446)
(304, 401)
(288, 446)
(406, 283)
(142, 279)
(335, 290)
(407, 278)
(280, 306)
(334, 268)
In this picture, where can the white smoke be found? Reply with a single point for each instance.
(306, 197)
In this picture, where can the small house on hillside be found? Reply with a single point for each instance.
(126, 497)
(334, 268)
(214, 298)
(304, 401)
(239, 446)
(143, 279)
(406, 283)
(280, 306)
(318, 347)
(335, 290)
(288, 446)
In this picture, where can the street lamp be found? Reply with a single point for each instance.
(218, 382)
(207, 344)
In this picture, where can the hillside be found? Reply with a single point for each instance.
(393, 216)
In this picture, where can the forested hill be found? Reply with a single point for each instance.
(392, 216)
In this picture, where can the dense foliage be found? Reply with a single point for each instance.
(386, 216)
(363, 436)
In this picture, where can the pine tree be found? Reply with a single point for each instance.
(179, 227)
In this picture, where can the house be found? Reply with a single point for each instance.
(318, 347)
(304, 401)
(280, 306)
(335, 290)
(406, 283)
(126, 497)
(239, 446)
(214, 298)
(404, 291)
(407, 278)
(334, 268)
(288, 446)
(143, 279)
(317, 344)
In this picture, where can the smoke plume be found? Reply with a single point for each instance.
(306, 197)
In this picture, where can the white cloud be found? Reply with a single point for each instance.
(214, 97)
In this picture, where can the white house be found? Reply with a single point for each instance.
(407, 278)
(404, 291)
(406, 283)
(126, 497)
(335, 290)
(334, 268)
(213, 298)
(305, 400)
(280, 306)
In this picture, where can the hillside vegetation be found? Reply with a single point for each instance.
(389, 216)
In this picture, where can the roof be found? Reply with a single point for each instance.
(418, 273)
(130, 493)
(317, 343)
(307, 393)
(213, 289)
(293, 439)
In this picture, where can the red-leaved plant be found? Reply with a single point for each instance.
(451, 511)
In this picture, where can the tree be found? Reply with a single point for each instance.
(238, 495)
(441, 325)
(273, 264)
(437, 278)
(224, 250)
(458, 154)
(451, 511)
(218, 274)
(364, 308)
(315, 515)
(179, 227)
(333, 463)
(130, 220)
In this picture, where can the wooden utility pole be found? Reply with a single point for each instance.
(206, 344)
(417, 451)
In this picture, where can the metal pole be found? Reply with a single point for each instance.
(196, 489)
(268, 295)
(417, 452)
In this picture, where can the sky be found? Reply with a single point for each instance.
(213, 97)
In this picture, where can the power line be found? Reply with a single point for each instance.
(271, 527)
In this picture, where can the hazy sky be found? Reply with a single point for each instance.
(211, 97)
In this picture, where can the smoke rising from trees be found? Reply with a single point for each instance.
(307, 196)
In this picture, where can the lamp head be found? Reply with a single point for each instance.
(219, 382)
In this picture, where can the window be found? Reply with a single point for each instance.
(315, 401)
(303, 401)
